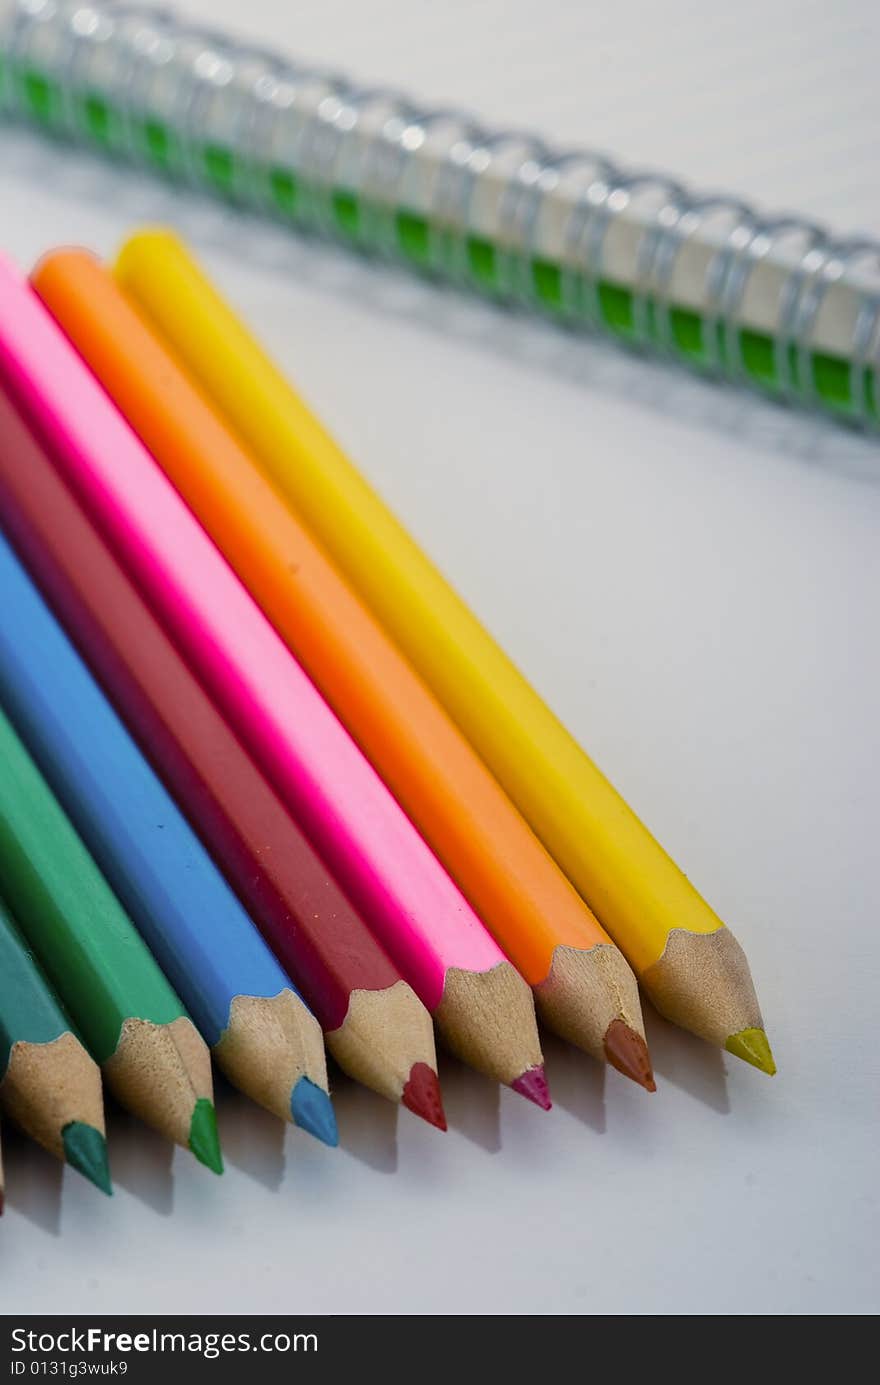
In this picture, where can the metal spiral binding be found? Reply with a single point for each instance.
(708, 281)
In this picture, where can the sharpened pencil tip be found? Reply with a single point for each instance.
(533, 1085)
(204, 1139)
(312, 1110)
(421, 1095)
(85, 1149)
(751, 1045)
(627, 1051)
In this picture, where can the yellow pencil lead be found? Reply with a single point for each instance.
(751, 1045)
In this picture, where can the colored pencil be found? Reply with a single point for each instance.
(149, 1050)
(262, 1035)
(49, 1084)
(583, 987)
(480, 1002)
(690, 964)
(375, 1026)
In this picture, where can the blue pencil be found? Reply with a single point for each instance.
(261, 1032)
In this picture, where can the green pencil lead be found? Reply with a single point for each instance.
(85, 1149)
(204, 1139)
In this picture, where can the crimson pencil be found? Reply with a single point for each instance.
(375, 1027)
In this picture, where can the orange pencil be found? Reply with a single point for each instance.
(583, 987)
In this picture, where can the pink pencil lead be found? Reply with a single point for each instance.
(533, 1085)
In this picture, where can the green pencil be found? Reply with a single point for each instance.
(150, 1051)
(49, 1084)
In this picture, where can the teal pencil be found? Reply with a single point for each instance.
(49, 1084)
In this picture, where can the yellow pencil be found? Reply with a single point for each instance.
(689, 963)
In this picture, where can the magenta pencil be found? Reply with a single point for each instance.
(482, 1006)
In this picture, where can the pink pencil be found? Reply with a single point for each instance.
(483, 1007)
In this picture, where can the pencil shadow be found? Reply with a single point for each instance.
(367, 1123)
(577, 1081)
(472, 1103)
(140, 1158)
(251, 1138)
(686, 1061)
(602, 363)
(34, 1180)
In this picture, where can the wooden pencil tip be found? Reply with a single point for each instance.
(751, 1045)
(627, 1051)
(270, 1046)
(312, 1110)
(161, 1072)
(421, 1095)
(204, 1139)
(532, 1084)
(85, 1149)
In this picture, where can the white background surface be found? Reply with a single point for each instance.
(691, 578)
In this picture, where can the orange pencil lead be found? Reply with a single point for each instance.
(628, 1053)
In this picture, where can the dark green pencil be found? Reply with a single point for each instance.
(151, 1053)
(49, 1084)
